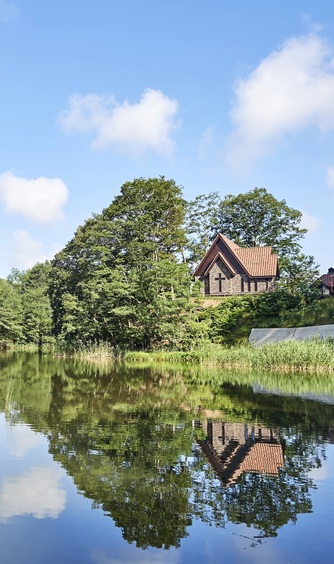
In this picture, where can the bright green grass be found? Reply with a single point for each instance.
(303, 356)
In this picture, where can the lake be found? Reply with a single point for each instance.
(113, 464)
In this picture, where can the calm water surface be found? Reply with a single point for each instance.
(111, 465)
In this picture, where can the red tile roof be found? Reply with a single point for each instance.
(256, 261)
(259, 458)
(263, 458)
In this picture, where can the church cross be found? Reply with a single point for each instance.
(220, 278)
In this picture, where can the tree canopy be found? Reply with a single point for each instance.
(125, 277)
(122, 278)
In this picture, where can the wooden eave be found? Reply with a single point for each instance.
(259, 256)
(224, 261)
(206, 254)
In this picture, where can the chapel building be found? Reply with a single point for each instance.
(228, 269)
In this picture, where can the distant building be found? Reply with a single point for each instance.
(326, 284)
(228, 269)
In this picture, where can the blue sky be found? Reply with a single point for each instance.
(220, 95)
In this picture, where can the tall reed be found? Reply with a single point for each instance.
(299, 356)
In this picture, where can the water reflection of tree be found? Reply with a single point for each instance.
(266, 503)
(122, 434)
(132, 472)
(259, 500)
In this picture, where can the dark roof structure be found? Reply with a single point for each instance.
(255, 261)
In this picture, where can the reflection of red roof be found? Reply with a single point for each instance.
(256, 261)
(238, 455)
(262, 458)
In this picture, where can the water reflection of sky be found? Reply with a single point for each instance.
(40, 506)
(36, 492)
(27, 488)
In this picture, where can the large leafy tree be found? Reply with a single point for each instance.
(10, 312)
(33, 303)
(36, 308)
(258, 218)
(121, 278)
(202, 214)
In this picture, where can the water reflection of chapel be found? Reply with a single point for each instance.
(235, 448)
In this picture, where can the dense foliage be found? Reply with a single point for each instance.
(125, 278)
(122, 279)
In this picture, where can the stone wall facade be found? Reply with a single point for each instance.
(220, 282)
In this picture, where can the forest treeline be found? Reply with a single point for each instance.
(125, 278)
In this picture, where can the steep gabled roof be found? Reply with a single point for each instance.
(224, 260)
(255, 261)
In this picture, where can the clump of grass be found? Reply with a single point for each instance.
(95, 351)
(298, 356)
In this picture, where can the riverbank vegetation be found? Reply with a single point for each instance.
(124, 281)
(290, 356)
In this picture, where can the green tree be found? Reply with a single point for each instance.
(202, 214)
(10, 312)
(149, 215)
(34, 303)
(36, 307)
(257, 218)
(121, 278)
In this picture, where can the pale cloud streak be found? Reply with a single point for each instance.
(131, 128)
(290, 90)
(25, 251)
(155, 557)
(23, 439)
(39, 199)
(330, 177)
(35, 492)
(309, 222)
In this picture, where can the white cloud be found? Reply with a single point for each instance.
(132, 128)
(309, 222)
(39, 199)
(23, 439)
(26, 251)
(330, 177)
(8, 11)
(291, 89)
(36, 493)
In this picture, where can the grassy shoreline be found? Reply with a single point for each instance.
(288, 356)
(315, 356)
